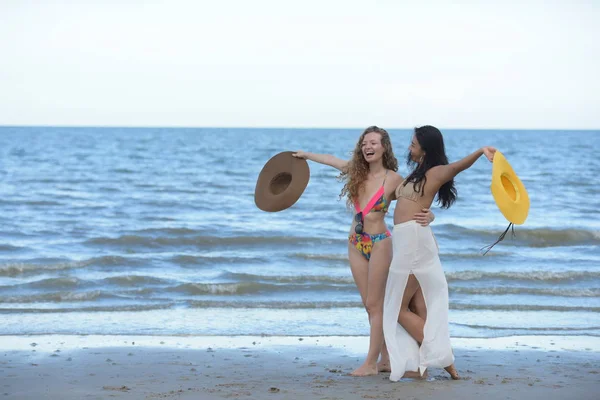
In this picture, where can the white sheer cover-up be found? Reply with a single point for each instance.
(416, 251)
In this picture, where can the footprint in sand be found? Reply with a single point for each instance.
(120, 389)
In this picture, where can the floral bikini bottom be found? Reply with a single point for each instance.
(364, 242)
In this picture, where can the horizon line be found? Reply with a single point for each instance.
(277, 127)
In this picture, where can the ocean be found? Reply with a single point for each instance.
(154, 231)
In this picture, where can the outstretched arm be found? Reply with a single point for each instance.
(445, 173)
(326, 159)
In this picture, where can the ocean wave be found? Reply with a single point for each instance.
(118, 261)
(277, 305)
(205, 241)
(69, 282)
(31, 202)
(65, 282)
(211, 260)
(124, 171)
(168, 231)
(215, 185)
(553, 291)
(298, 279)
(326, 257)
(155, 218)
(250, 288)
(511, 328)
(57, 310)
(274, 305)
(474, 255)
(42, 203)
(146, 292)
(36, 268)
(8, 247)
(520, 307)
(108, 189)
(83, 297)
(358, 304)
(16, 269)
(536, 237)
(173, 190)
(538, 275)
(135, 280)
(58, 297)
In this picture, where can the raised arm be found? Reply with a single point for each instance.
(326, 159)
(445, 173)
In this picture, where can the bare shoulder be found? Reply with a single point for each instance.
(435, 172)
(393, 181)
(435, 177)
(394, 178)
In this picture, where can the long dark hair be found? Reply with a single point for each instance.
(432, 142)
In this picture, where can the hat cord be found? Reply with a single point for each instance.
(501, 238)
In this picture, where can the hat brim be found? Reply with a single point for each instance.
(509, 192)
(281, 182)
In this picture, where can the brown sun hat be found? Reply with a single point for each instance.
(281, 182)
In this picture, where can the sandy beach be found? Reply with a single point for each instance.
(151, 367)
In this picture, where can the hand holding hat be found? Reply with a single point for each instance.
(281, 182)
(509, 192)
(489, 152)
(300, 154)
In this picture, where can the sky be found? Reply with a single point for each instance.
(301, 63)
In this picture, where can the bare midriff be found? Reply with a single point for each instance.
(406, 209)
(374, 223)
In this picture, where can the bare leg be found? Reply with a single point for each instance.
(411, 322)
(452, 371)
(384, 363)
(379, 265)
(360, 271)
(417, 304)
(418, 307)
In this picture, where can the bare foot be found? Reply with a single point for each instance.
(453, 372)
(365, 370)
(415, 375)
(384, 366)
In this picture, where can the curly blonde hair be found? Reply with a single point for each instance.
(358, 168)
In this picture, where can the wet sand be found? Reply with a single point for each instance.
(151, 367)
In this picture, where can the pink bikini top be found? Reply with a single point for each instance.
(378, 202)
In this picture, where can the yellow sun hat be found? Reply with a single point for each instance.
(509, 192)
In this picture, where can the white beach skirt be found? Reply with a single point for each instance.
(416, 251)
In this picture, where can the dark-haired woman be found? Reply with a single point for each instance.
(371, 179)
(414, 343)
